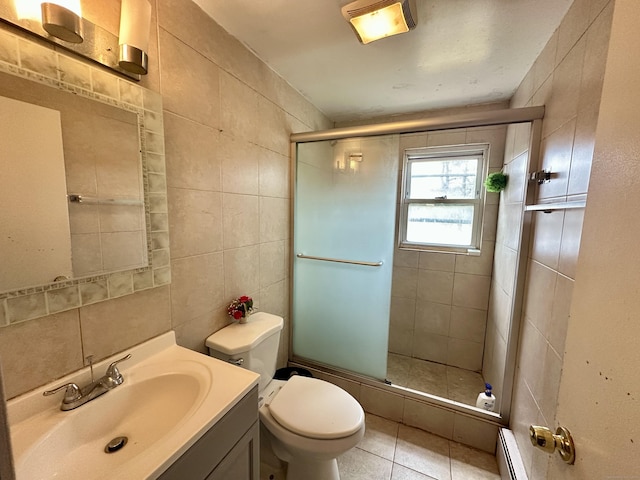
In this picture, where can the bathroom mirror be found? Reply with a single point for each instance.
(83, 188)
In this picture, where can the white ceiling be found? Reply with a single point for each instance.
(462, 52)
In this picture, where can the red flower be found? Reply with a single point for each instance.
(237, 314)
(243, 299)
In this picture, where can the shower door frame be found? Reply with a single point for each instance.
(532, 115)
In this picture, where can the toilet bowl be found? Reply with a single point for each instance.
(308, 422)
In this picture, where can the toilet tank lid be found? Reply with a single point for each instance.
(237, 338)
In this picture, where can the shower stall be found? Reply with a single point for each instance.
(363, 305)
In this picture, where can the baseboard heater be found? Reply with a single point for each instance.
(508, 456)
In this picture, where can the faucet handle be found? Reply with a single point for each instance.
(113, 373)
(72, 392)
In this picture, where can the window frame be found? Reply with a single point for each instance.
(439, 153)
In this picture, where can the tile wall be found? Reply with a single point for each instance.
(227, 121)
(567, 78)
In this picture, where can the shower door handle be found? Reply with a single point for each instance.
(338, 260)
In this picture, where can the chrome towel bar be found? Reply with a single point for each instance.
(338, 260)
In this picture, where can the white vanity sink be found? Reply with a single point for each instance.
(170, 397)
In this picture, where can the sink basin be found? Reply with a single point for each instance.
(166, 403)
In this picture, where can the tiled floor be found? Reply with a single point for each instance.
(444, 381)
(391, 451)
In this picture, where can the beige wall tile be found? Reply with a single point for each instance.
(197, 286)
(481, 265)
(471, 291)
(238, 108)
(274, 219)
(192, 154)
(381, 403)
(401, 325)
(476, 433)
(547, 235)
(432, 318)
(582, 153)
(465, 354)
(26, 307)
(241, 226)
(406, 258)
(428, 418)
(63, 299)
(188, 78)
(195, 222)
(404, 282)
(110, 327)
(572, 27)
(432, 347)
(38, 58)
(571, 235)
(54, 348)
(434, 286)
(273, 173)
(538, 301)
(545, 63)
(240, 162)
(557, 331)
(563, 104)
(272, 128)
(241, 271)
(437, 261)
(556, 158)
(8, 48)
(272, 263)
(468, 324)
(192, 333)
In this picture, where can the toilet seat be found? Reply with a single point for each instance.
(317, 409)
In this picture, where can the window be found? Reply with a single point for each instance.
(442, 198)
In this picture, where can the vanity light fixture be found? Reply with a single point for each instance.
(372, 20)
(135, 21)
(63, 19)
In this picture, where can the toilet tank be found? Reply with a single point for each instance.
(255, 342)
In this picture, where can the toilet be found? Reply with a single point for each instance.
(308, 422)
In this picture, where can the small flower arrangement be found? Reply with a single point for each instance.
(240, 308)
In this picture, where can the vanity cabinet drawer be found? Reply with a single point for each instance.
(230, 449)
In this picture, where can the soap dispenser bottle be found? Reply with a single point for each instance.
(486, 400)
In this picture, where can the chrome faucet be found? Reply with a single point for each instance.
(74, 396)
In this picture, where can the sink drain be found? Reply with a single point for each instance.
(115, 444)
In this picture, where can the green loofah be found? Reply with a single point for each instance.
(496, 182)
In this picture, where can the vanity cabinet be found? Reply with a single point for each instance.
(229, 450)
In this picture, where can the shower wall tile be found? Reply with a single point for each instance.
(434, 286)
(480, 265)
(432, 318)
(471, 291)
(465, 354)
(432, 347)
(468, 324)
(405, 258)
(444, 262)
(241, 271)
(404, 282)
(239, 159)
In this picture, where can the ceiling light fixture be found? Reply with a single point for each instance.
(372, 20)
(63, 20)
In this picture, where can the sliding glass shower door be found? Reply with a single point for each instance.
(344, 223)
